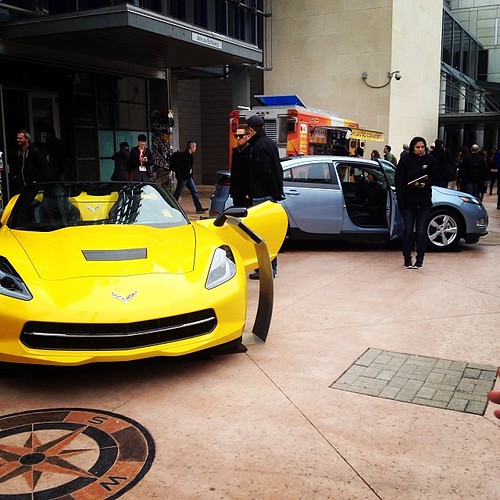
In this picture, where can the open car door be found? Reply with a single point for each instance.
(268, 220)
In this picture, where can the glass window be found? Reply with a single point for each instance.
(310, 173)
(129, 89)
(131, 116)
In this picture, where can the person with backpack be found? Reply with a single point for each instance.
(473, 172)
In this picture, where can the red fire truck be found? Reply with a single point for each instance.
(300, 130)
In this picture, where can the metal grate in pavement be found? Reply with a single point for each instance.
(441, 383)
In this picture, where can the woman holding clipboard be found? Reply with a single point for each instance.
(414, 175)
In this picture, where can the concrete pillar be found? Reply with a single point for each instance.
(480, 101)
(480, 135)
(241, 87)
(442, 95)
(441, 133)
(461, 136)
(495, 143)
(461, 99)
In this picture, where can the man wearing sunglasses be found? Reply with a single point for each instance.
(240, 169)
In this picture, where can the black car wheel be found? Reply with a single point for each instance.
(443, 230)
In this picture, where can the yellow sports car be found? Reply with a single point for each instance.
(112, 271)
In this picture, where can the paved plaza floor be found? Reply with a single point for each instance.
(372, 385)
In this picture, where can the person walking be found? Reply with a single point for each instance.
(121, 159)
(239, 188)
(266, 173)
(140, 162)
(389, 156)
(473, 172)
(494, 166)
(445, 165)
(29, 165)
(413, 179)
(184, 174)
(405, 151)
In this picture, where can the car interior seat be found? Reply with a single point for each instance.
(316, 173)
(55, 210)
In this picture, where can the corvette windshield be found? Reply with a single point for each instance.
(50, 206)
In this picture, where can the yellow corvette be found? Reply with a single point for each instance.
(112, 271)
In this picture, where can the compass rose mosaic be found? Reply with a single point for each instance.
(72, 453)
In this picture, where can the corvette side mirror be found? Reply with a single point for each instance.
(230, 212)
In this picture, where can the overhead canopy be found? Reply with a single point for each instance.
(123, 36)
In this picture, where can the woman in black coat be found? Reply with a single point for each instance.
(414, 177)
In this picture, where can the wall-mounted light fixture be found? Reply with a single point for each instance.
(395, 74)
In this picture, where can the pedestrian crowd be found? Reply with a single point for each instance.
(257, 176)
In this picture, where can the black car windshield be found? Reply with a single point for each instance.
(55, 205)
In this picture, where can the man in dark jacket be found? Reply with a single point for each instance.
(266, 173)
(121, 159)
(28, 164)
(184, 174)
(240, 169)
(266, 176)
(414, 176)
(473, 172)
(445, 165)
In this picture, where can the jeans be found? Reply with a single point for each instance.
(189, 183)
(493, 179)
(470, 188)
(415, 217)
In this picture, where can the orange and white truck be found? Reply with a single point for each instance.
(301, 130)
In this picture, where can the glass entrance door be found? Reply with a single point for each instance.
(44, 114)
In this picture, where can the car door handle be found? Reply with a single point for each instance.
(292, 192)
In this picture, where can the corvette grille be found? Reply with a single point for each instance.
(103, 336)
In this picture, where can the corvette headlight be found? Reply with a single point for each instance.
(11, 284)
(222, 268)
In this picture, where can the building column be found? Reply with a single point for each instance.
(480, 135)
(495, 131)
(461, 99)
(461, 136)
(442, 95)
(241, 87)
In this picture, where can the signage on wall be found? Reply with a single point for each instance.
(206, 40)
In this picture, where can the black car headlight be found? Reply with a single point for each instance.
(222, 268)
(11, 284)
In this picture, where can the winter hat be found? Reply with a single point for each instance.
(255, 122)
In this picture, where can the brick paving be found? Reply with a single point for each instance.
(441, 383)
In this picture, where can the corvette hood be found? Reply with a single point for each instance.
(109, 251)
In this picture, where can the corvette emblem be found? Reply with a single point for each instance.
(93, 208)
(130, 296)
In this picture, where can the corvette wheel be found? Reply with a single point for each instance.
(443, 231)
